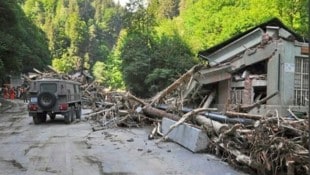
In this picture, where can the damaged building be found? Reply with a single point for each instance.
(264, 68)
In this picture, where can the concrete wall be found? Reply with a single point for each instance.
(263, 109)
(273, 76)
(280, 77)
(223, 94)
(287, 73)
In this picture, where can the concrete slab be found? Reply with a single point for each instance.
(190, 137)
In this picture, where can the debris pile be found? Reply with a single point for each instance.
(264, 144)
(271, 145)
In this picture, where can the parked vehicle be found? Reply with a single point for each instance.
(54, 96)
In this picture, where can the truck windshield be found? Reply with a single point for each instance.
(48, 87)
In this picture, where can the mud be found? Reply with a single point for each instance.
(16, 164)
(57, 148)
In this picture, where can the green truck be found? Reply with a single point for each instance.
(54, 96)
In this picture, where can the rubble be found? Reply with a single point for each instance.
(251, 101)
(265, 144)
(189, 136)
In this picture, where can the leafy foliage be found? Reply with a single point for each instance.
(79, 32)
(205, 23)
(23, 45)
(139, 47)
(100, 72)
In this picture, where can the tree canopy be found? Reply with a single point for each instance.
(141, 47)
(23, 45)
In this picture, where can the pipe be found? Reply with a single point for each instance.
(225, 119)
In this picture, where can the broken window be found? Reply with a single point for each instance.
(301, 84)
(249, 84)
(236, 95)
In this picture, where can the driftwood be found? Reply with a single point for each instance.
(37, 71)
(244, 115)
(211, 124)
(156, 131)
(153, 112)
(99, 112)
(52, 69)
(142, 102)
(249, 107)
(208, 123)
(27, 78)
(271, 145)
(293, 115)
(209, 100)
(185, 77)
(182, 120)
(242, 158)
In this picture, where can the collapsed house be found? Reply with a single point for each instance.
(254, 86)
(263, 68)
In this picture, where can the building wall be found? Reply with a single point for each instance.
(223, 94)
(287, 61)
(280, 77)
(273, 76)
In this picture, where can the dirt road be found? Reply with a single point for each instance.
(60, 149)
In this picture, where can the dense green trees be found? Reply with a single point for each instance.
(150, 61)
(142, 46)
(82, 33)
(204, 23)
(22, 44)
(72, 27)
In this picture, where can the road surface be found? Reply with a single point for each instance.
(55, 148)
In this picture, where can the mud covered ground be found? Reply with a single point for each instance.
(60, 149)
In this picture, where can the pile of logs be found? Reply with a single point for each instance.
(263, 144)
(271, 145)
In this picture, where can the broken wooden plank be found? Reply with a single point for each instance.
(245, 115)
(249, 107)
(175, 84)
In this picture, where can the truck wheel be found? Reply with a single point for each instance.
(42, 118)
(46, 100)
(73, 114)
(68, 117)
(36, 120)
(78, 112)
(52, 116)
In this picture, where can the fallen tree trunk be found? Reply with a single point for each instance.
(129, 96)
(100, 112)
(208, 123)
(153, 112)
(242, 158)
(182, 120)
(249, 107)
(244, 115)
(209, 99)
(175, 84)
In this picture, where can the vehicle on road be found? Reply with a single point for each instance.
(54, 96)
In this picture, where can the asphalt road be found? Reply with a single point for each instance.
(55, 148)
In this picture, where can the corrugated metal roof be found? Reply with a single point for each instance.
(272, 22)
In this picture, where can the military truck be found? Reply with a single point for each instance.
(54, 96)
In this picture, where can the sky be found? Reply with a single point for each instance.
(122, 2)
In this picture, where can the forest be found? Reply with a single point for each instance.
(141, 47)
